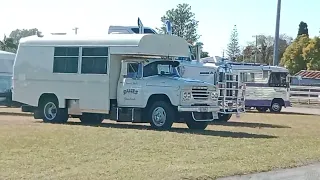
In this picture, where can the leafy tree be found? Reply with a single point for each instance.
(246, 53)
(183, 22)
(7, 44)
(311, 54)
(184, 25)
(293, 56)
(233, 50)
(17, 34)
(303, 29)
(265, 45)
(203, 53)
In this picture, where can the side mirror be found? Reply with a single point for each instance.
(124, 68)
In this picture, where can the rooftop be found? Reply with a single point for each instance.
(309, 74)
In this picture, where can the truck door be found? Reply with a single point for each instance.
(130, 87)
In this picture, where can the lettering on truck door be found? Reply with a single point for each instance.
(132, 86)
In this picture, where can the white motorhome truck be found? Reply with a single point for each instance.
(231, 90)
(123, 77)
(6, 65)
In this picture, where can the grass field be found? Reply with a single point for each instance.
(30, 149)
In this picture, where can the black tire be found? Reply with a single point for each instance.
(91, 118)
(223, 117)
(57, 115)
(262, 109)
(276, 106)
(196, 125)
(166, 111)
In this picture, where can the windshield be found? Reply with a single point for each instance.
(278, 79)
(162, 68)
(5, 83)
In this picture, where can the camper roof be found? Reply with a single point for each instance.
(138, 44)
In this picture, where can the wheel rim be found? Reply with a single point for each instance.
(50, 111)
(159, 116)
(275, 107)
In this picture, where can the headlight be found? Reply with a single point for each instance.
(214, 95)
(186, 96)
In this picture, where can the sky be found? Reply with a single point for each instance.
(216, 17)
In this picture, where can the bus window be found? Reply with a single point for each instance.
(278, 79)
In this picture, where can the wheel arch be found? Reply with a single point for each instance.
(43, 96)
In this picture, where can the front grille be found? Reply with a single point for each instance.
(200, 92)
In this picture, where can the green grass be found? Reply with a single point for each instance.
(30, 149)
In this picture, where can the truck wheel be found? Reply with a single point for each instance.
(276, 106)
(90, 118)
(161, 115)
(51, 113)
(223, 117)
(196, 125)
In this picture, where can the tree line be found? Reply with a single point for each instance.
(300, 53)
(10, 43)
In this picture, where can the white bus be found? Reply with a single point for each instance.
(123, 77)
(6, 66)
(267, 87)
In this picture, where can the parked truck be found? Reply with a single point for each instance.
(231, 90)
(122, 77)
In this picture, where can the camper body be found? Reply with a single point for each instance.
(123, 77)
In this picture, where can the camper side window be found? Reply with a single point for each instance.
(247, 77)
(65, 59)
(94, 60)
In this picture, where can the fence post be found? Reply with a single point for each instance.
(309, 96)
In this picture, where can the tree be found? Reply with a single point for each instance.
(233, 50)
(183, 22)
(293, 58)
(311, 54)
(303, 29)
(203, 53)
(265, 45)
(7, 44)
(17, 34)
(184, 25)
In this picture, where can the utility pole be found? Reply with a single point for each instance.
(256, 49)
(276, 39)
(75, 30)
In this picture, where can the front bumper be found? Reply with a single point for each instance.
(214, 109)
(232, 107)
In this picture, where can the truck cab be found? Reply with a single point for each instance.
(154, 87)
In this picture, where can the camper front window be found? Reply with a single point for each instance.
(134, 70)
(162, 68)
